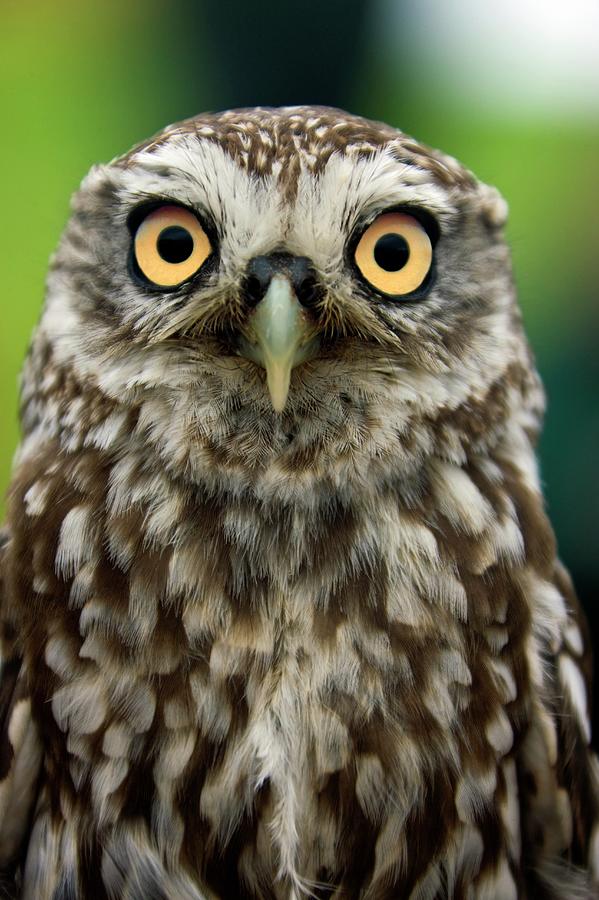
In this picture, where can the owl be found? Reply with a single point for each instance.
(282, 615)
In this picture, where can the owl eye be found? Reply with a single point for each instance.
(394, 254)
(170, 246)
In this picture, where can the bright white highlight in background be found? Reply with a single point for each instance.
(518, 55)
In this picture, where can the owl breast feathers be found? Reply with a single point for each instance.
(281, 610)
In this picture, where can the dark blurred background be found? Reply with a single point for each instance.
(511, 89)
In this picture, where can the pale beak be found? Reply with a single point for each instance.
(279, 336)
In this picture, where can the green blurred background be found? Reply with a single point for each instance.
(511, 89)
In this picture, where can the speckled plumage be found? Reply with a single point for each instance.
(326, 652)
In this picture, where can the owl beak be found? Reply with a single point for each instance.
(278, 337)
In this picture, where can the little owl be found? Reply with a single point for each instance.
(281, 609)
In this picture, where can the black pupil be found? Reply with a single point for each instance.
(391, 252)
(175, 244)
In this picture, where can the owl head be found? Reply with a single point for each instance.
(298, 291)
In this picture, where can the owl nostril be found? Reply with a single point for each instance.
(298, 269)
(253, 290)
(308, 291)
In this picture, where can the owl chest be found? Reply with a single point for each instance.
(291, 740)
(297, 718)
(286, 705)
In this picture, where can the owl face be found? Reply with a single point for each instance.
(296, 288)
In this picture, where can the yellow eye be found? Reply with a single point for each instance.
(170, 246)
(395, 254)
